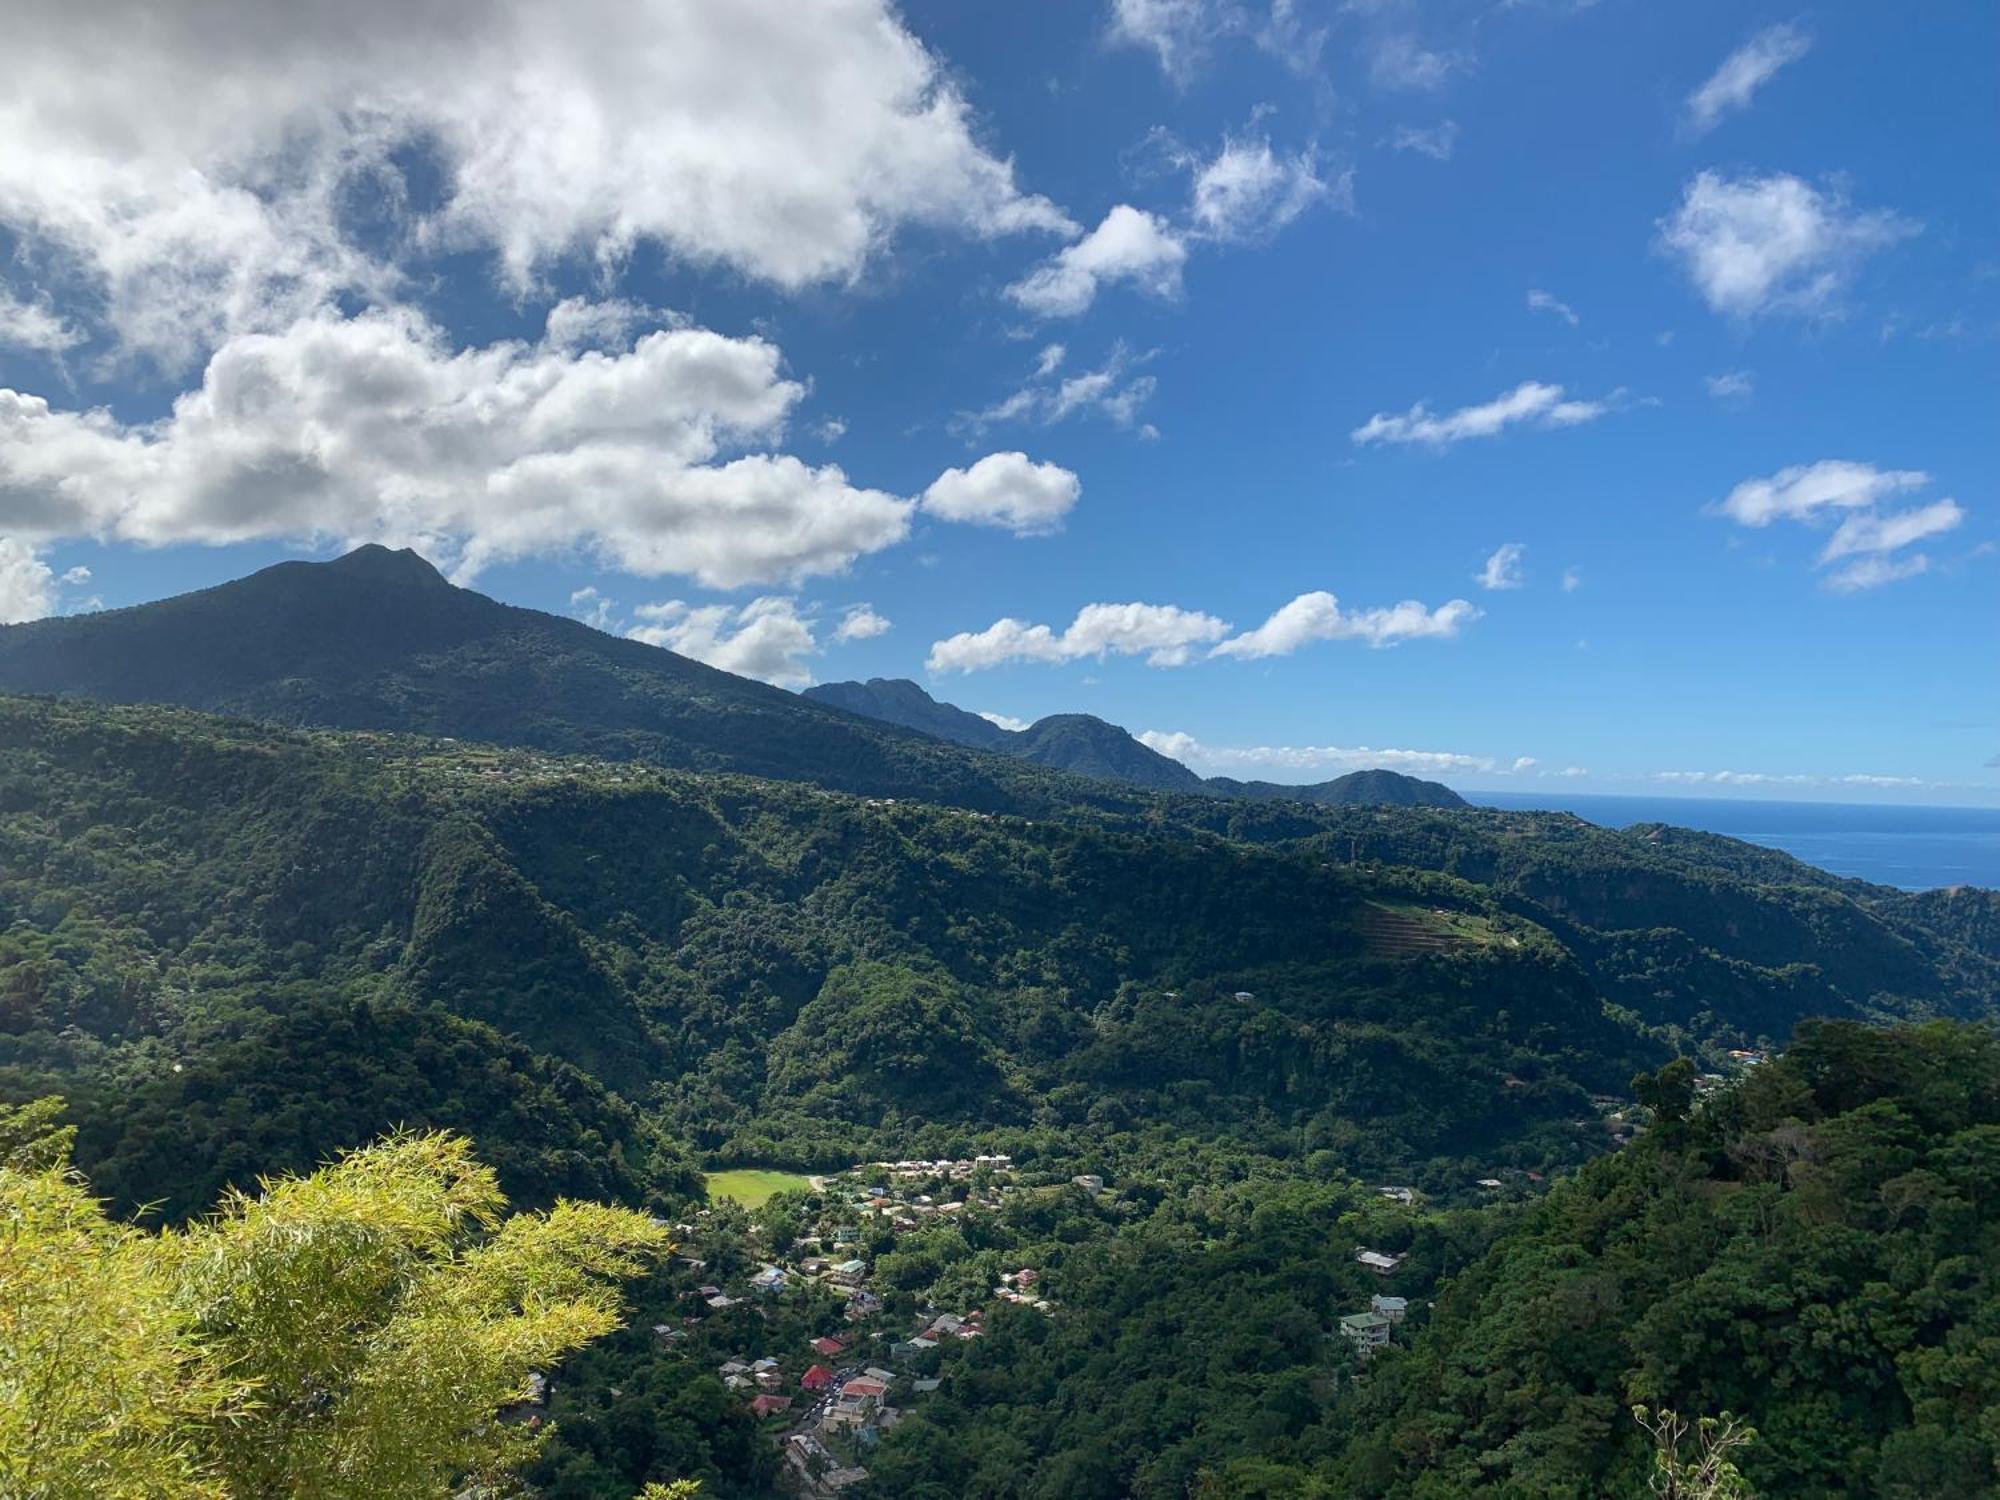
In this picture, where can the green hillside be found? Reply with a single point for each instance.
(239, 948)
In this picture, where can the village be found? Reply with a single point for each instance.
(829, 1398)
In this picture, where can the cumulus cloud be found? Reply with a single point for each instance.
(1248, 191)
(373, 428)
(1731, 385)
(1539, 301)
(1005, 721)
(1296, 761)
(1503, 569)
(1164, 634)
(1005, 489)
(1572, 580)
(1868, 535)
(766, 639)
(233, 165)
(1742, 73)
(859, 622)
(1318, 616)
(1129, 246)
(1050, 360)
(1435, 141)
(1531, 403)
(1754, 245)
(27, 584)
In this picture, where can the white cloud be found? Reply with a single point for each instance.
(1869, 531)
(1435, 141)
(1401, 62)
(1742, 73)
(1164, 634)
(27, 584)
(1291, 761)
(1777, 778)
(1532, 403)
(1005, 721)
(1731, 385)
(1111, 390)
(1773, 244)
(1005, 489)
(1874, 572)
(1318, 617)
(1539, 301)
(1503, 569)
(1572, 580)
(830, 430)
(373, 428)
(1177, 32)
(593, 608)
(1247, 191)
(1867, 534)
(199, 170)
(1049, 360)
(1130, 245)
(766, 639)
(859, 622)
(1803, 491)
(34, 325)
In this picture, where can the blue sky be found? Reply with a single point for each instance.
(1587, 396)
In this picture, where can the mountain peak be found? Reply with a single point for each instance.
(398, 565)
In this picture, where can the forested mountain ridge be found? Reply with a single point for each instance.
(380, 640)
(800, 975)
(1088, 746)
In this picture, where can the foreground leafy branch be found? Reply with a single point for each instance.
(352, 1334)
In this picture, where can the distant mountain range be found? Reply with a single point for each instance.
(1088, 746)
(380, 640)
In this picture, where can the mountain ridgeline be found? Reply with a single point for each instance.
(1088, 746)
(380, 640)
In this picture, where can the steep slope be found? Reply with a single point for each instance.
(1813, 1251)
(822, 975)
(1088, 746)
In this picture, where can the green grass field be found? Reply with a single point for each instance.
(752, 1186)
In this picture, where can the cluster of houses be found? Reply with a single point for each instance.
(831, 1401)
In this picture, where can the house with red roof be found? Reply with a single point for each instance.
(829, 1347)
(818, 1378)
(770, 1406)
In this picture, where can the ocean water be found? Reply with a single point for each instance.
(1917, 848)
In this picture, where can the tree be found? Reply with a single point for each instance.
(356, 1332)
(1706, 1474)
